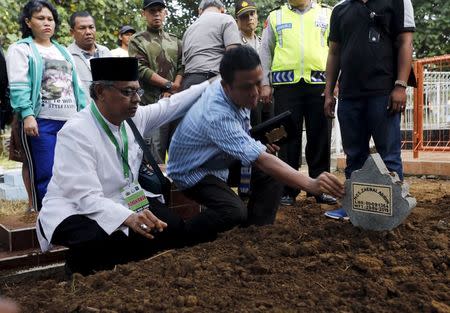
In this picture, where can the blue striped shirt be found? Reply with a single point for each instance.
(212, 132)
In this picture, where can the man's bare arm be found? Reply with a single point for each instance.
(332, 73)
(325, 183)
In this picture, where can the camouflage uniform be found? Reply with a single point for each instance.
(157, 52)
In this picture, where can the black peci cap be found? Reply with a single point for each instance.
(114, 69)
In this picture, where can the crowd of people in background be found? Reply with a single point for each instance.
(305, 47)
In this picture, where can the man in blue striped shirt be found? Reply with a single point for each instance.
(213, 134)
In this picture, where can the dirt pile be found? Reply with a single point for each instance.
(304, 263)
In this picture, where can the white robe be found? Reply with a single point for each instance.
(87, 172)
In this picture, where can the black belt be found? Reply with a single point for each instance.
(208, 75)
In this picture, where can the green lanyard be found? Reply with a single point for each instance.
(123, 132)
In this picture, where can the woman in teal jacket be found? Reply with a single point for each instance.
(44, 89)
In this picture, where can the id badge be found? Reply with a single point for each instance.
(135, 197)
(374, 35)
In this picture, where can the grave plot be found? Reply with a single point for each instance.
(303, 263)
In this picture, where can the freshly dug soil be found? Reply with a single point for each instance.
(303, 263)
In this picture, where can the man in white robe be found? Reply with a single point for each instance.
(97, 160)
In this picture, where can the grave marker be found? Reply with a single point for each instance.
(375, 198)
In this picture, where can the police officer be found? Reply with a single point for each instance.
(206, 40)
(293, 53)
(247, 21)
(160, 69)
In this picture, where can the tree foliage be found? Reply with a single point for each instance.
(432, 19)
(109, 15)
(433, 27)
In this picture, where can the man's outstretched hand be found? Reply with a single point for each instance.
(329, 184)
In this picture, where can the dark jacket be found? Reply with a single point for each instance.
(5, 107)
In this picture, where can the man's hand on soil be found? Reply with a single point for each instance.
(329, 184)
(136, 221)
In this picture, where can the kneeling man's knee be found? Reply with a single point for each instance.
(235, 215)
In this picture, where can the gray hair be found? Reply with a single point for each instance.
(204, 4)
(92, 91)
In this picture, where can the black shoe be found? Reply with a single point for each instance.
(325, 199)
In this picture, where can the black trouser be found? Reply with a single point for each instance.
(226, 210)
(261, 114)
(305, 101)
(92, 249)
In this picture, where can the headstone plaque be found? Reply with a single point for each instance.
(375, 198)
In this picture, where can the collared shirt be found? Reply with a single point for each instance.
(88, 55)
(369, 66)
(83, 65)
(88, 172)
(254, 42)
(205, 42)
(212, 132)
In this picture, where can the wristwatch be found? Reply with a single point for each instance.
(400, 83)
(168, 86)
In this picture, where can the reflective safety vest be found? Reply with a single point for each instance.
(301, 49)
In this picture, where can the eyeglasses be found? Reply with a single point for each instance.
(129, 92)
